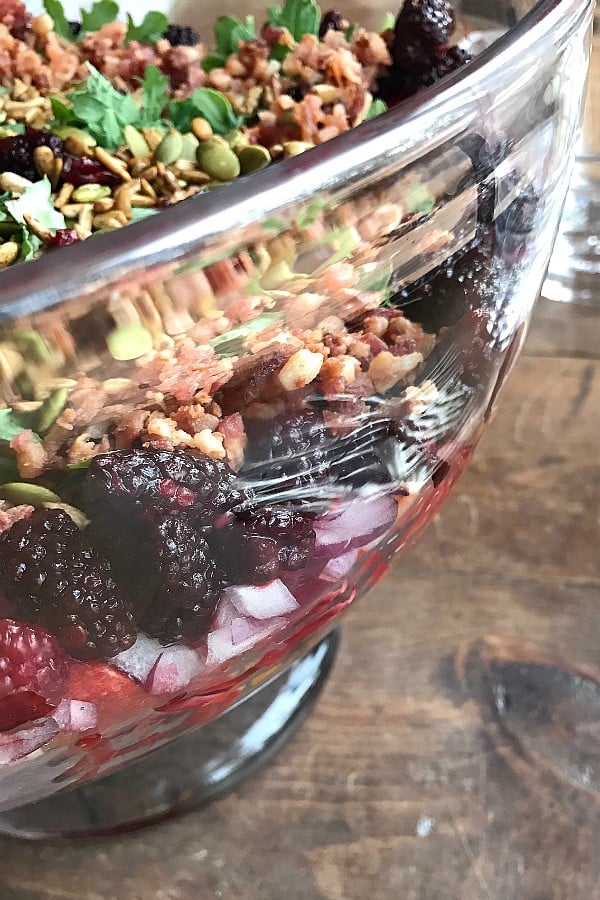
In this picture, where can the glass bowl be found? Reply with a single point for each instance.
(251, 404)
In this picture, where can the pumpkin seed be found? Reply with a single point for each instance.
(190, 145)
(276, 275)
(32, 345)
(89, 193)
(129, 342)
(80, 519)
(169, 149)
(51, 409)
(234, 138)
(253, 157)
(295, 148)
(218, 160)
(67, 131)
(18, 492)
(136, 141)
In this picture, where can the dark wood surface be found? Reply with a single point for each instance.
(455, 753)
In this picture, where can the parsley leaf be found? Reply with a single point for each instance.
(208, 103)
(61, 23)
(11, 427)
(30, 244)
(149, 31)
(376, 108)
(300, 17)
(389, 20)
(100, 14)
(36, 201)
(103, 110)
(155, 97)
(229, 31)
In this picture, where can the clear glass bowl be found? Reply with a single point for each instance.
(337, 328)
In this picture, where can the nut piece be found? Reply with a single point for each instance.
(253, 157)
(8, 253)
(201, 128)
(386, 369)
(300, 369)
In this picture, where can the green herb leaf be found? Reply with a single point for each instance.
(11, 426)
(155, 96)
(36, 201)
(389, 20)
(376, 108)
(229, 31)
(61, 23)
(100, 14)
(208, 103)
(350, 32)
(63, 113)
(309, 214)
(30, 244)
(231, 343)
(419, 199)
(149, 31)
(103, 110)
(138, 213)
(300, 17)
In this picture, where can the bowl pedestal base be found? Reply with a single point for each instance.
(188, 772)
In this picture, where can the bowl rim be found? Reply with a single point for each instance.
(42, 283)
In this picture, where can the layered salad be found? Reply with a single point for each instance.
(198, 472)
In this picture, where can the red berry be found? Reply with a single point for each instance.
(33, 673)
(64, 237)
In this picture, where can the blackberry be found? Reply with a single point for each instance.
(33, 673)
(75, 28)
(16, 153)
(260, 545)
(182, 36)
(419, 72)
(187, 582)
(54, 576)
(291, 448)
(421, 26)
(155, 482)
(332, 20)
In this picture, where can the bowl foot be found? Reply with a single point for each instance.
(188, 772)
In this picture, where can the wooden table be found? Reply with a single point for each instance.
(455, 751)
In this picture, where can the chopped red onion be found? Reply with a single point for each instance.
(261, 601)
(360, 522)
(339, 566)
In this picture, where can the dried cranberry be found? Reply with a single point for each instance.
(332, 20)
(16, 153)
(64, 237)
(80, 170)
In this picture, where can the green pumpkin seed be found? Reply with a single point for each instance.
(32, 345)
(189, 147)
(67, 131)
(89, 193)
(80, 519)
(234, 138)
(218, 160)
(129, 342)
(276, 275)
(51, 409)
(295, 148)
(169, 149)
(18, 492)
(253, 157)
(136, 141)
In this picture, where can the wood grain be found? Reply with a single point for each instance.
(407, 783)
